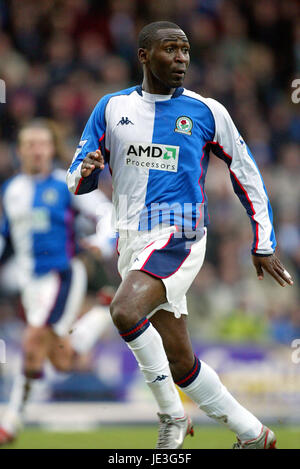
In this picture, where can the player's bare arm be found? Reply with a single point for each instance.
(274, 267)
(93, 160)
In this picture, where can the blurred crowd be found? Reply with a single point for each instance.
(58, 58)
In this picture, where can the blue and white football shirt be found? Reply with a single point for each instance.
(38, 217)
(157, 148)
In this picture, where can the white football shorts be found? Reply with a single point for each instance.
(167, 254)
(55, 299)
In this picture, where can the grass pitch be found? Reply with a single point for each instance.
(140, 437)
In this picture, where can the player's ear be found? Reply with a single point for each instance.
(143, 55)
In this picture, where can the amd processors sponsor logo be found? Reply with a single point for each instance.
(152, 156)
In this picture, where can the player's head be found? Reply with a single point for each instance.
(36, 147)
(163, 50)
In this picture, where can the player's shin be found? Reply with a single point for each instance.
(146, 344)
(204, 387)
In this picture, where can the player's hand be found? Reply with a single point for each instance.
(274, 267)
(93, 160)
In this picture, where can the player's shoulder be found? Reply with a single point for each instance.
(212, 104)
(59, 174)
(58, 178)
(193, 95)
(108, 97)
(12, 182)
(14, 188)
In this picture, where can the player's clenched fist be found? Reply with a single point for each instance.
(93, 160)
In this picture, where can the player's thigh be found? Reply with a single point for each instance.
(176, 340)
(61, 353)
(36, 342)
(138, 294)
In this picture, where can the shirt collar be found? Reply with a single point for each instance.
(158, 97)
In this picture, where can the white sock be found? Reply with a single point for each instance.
(19, 394)
(207, 391)
(150, 354)
(13, 415)
(89, 328)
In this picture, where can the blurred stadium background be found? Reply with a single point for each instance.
(57, 58)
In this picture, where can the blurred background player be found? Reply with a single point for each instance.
(38, 221)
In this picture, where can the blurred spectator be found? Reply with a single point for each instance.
(13, 66)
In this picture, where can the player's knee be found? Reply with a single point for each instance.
(62, 365)
(121, 315)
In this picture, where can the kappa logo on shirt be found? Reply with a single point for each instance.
(152, 156)
(125, 121)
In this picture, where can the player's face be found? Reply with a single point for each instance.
(169, 57)
(36, 150)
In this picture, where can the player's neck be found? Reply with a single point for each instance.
(153, 86)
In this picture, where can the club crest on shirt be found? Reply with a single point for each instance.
(50, 196)
(184, 125)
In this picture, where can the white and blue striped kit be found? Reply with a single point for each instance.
(158, 149)
(38, 218)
